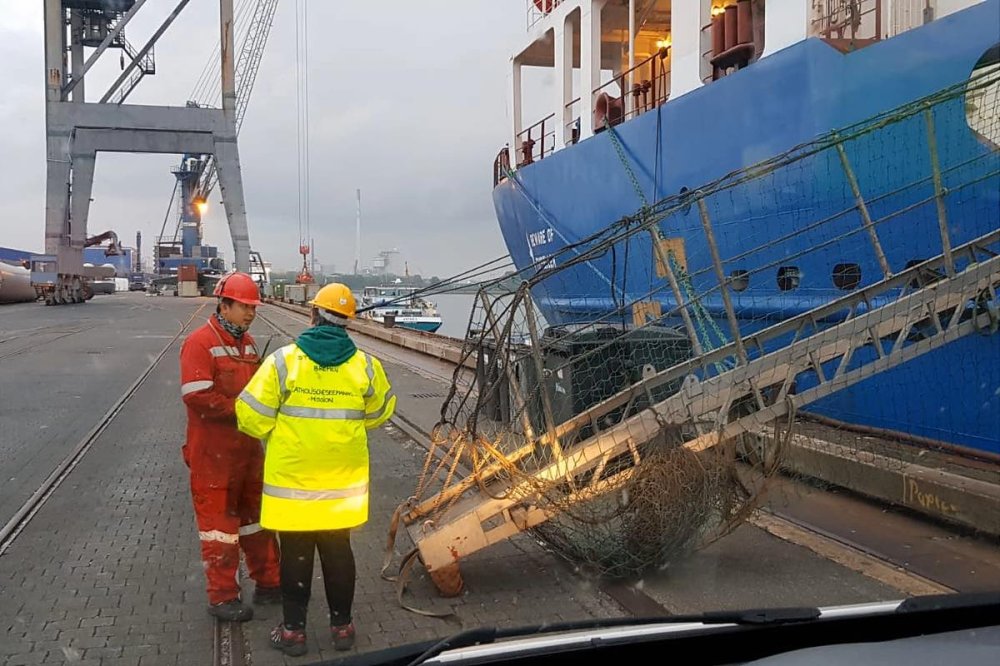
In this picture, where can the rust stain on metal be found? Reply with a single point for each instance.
(227, 28)
(448, 580)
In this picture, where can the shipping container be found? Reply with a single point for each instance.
(187, 289)
(187, 273)
(295, 293)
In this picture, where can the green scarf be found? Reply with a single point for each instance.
(326, 345)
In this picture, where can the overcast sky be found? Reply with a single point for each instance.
(408, 103)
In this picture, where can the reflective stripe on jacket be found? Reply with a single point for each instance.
(215, 368)
(314, 420)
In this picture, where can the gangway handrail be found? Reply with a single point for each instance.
(461, 528)
(795, 325)
(706, 362)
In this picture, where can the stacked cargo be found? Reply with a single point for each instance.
(187, 281)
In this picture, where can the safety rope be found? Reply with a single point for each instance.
(703, 319)
(402, 577)
(567, 245)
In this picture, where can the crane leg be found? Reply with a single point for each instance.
(227, 157)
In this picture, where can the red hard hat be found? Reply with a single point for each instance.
(239, 287)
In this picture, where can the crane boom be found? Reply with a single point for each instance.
(251, 54)
(201, 169)
(114, 247)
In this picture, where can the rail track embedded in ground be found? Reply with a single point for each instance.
(228, 642)
(34, 345)
(13, 527)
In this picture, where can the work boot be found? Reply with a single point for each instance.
(265, 596)
(343, 636)
(291, 642)
(231, 611)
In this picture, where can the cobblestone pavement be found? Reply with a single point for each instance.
(108, 571)
(513, 584)
(62, 368)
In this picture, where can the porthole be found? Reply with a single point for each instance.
(739, 280)
(846, 276)
(789, 278)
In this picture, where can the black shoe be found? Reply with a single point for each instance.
(265, 596)
(291, 642)
(231, 611)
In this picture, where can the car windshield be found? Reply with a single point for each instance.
(613, 310)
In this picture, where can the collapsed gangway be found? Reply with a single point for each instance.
(699, 422)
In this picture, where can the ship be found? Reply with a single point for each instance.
(656, 99)
(400, 306)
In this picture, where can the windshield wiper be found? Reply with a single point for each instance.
(932, 602)
(762, 615)
(487, 635)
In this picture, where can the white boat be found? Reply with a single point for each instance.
(400, 303)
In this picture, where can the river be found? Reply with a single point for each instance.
(455, 310)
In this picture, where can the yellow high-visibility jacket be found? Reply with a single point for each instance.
(314, 422)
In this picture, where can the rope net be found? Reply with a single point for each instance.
(631, 397)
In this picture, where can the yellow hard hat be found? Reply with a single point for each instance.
(336, 297)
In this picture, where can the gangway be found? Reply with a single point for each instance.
(911, 322)
(492, 474)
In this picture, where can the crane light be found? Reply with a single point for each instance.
(202, 206)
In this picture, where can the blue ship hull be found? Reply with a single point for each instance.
(782, 101)
(427, 326)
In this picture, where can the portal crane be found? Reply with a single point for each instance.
(77, 129)
(197, 176)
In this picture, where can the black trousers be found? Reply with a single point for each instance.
(337, 561)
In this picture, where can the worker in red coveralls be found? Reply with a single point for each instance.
(227, 467)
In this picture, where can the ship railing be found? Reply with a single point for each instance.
(858, 21)
(536, 10)
(905, 15)
(537, 141)
(501, 165)
(572, 128)
(649, 89)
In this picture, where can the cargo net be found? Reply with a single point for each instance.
(630, 397)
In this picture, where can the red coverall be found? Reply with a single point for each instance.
(226, 466)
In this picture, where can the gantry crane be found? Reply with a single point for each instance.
(76, 130)
(197, 175)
